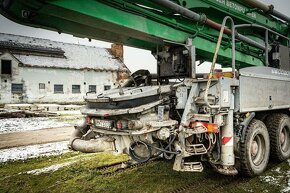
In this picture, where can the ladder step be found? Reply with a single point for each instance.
(192, 167)
(196, 149)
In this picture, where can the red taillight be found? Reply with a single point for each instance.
(211, 127)
(119, 124)
(88, 120)
(122, 124)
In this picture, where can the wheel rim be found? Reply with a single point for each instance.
(284, 139)
(257, 149)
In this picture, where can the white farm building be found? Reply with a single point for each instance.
(37, 70)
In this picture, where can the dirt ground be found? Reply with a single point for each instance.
(41, 136)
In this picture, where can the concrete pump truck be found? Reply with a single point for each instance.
(236, 120)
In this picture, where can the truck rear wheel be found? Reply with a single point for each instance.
(255, 150)
(279, 130)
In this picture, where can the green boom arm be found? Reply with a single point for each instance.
(147, 25)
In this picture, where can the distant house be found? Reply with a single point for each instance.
(37, 70)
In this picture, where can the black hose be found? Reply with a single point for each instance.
(169, 156)
(149, 147)
(245, 125)
(163, 150)
(167, 147)
(135, 156)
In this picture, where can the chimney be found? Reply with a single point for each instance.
(117, 51)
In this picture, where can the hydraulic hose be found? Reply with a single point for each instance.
(149, 147)
(137, 157)
(245, 125)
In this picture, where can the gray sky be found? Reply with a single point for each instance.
(134, 58)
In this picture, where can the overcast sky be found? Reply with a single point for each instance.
(134, 58)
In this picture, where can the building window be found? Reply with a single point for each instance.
(6, 67)
(92, 88)
(107, 87)
(58, 88)
(16, 88)
(76, 88)
(41, 86)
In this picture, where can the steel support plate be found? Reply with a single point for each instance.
(264, 88)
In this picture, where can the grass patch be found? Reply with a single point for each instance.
(15, 167)
(82, 176)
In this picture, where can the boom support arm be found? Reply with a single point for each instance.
(143, 24)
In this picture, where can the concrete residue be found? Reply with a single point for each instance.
(56, 167)
(49, 169)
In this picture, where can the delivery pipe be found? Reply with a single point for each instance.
(280, 15)
(203, 19)
(258, 5)
(268, 9)
(88, 146)
(181, 10)
(92, 146)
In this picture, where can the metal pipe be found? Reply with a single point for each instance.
(250, 41)
(268, 9)
(267, 47)
(92, 146)
(280, 15)
(257, 4)
(88, 146)
(262, 27)
(203, 19)
(181, 10)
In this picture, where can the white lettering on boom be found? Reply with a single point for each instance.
(237, 7)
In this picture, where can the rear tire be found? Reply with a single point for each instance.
(255, 151)
(279, 130)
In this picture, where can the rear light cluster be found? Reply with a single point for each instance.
(211, 127)
(88, 120)
(110, 124)
(121, 124)
(129, 124)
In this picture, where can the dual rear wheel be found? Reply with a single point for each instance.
(279, 130)
(264, 141)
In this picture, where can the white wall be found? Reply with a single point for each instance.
(5, 80)
(31, 77)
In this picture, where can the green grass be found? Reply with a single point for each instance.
(158, 176)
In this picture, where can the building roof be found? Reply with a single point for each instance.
(46, 53)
